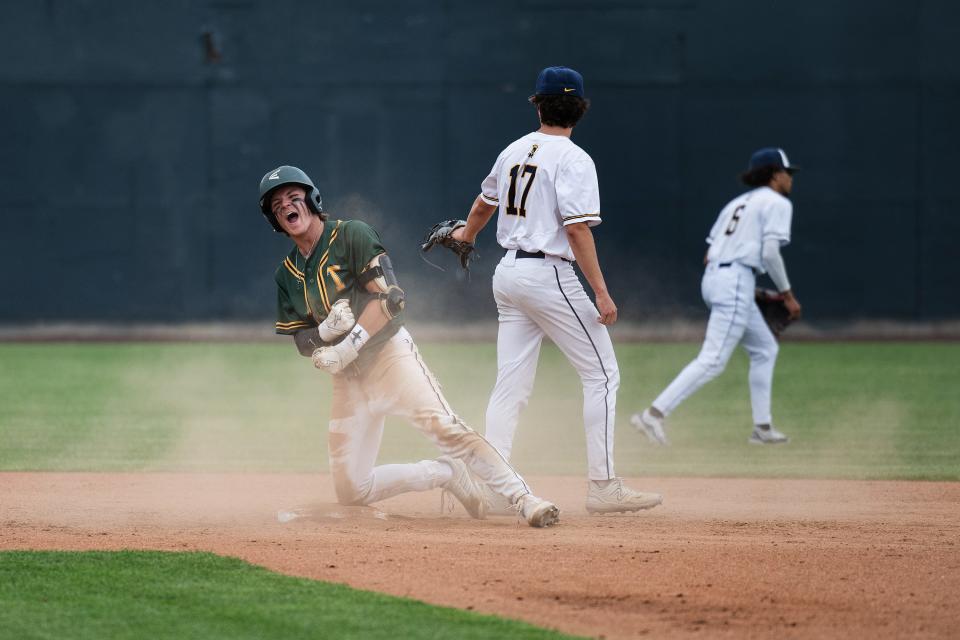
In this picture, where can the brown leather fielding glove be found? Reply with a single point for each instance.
(773, 309)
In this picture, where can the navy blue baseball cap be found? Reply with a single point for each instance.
(559, 81)
(771, 157)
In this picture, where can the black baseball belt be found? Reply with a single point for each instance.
(539, 254)
(724, 265)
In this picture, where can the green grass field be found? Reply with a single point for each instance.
(861, 410)
(130, 594)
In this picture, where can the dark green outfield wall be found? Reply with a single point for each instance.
(133, 144)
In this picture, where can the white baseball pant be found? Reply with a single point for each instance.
(735, 318)
(399, 383)
(544, 296)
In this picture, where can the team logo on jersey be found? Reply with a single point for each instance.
(275, 175)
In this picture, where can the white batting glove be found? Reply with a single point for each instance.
(338, 321)
(335, 359)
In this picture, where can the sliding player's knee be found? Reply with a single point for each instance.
(350, 492)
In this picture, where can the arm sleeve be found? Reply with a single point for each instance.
(578, 192)
(773, 264)
(489, 189)
(777, 222)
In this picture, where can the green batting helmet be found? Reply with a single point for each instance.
(279, 177)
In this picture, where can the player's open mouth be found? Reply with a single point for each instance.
(292, 216)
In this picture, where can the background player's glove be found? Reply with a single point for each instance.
(440, 234)
(774, 310)
(338, 357)
(338, 321)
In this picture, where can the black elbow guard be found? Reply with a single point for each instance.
(393, 301)
(380, 273)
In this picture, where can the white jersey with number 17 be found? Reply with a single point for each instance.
(542, 183)
(746, 223)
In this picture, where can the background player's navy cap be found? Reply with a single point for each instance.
(559, 81)
(771, 157)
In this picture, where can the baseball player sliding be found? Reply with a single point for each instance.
(745, 241)
(545, 189)
(339, 298)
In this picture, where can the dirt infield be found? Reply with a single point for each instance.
(720, 558)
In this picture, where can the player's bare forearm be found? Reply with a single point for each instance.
(480, 214)
(585, 251)
(373, 318)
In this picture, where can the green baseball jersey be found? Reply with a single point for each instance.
(307, 288)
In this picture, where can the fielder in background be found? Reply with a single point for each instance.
(545, 189)
(337, 271)
(745, 241)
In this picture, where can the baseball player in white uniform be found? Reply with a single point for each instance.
(744, 242)
(545, 189)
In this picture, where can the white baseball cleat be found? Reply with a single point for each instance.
(650, 426)
(616, 498)
(537, 511)
(767, 436)
(464, 488)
